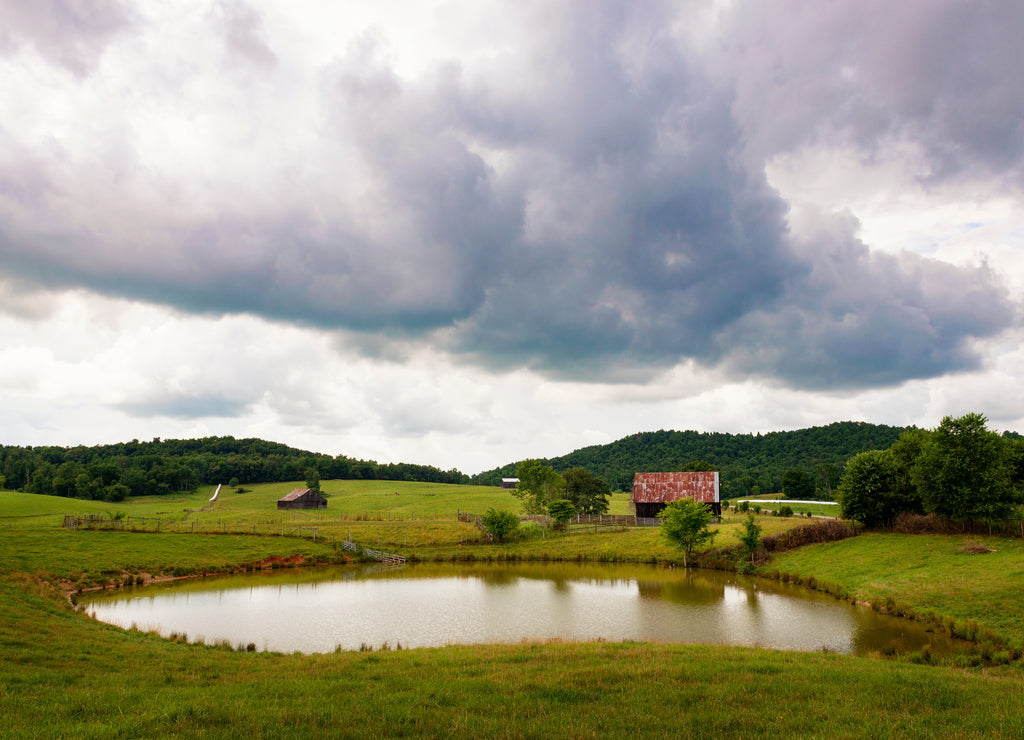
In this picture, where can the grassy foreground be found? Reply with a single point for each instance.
(65, 675)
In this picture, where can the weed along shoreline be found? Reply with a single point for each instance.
(64, 674)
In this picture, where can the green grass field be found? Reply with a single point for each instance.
(63, 674)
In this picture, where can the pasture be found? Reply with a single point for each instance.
(65, 675)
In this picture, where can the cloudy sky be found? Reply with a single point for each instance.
(465, 233)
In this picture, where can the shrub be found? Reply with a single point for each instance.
(828, 530)
(500, 523)
(561, 511)
(529, 531)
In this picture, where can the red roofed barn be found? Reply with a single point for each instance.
(652, 491)
(302, 498)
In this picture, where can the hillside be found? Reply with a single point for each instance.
(749, 463)
(159, 467)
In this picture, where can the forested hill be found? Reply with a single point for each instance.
(112, 472)
(748, 463)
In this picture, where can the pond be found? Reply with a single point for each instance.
(321, 610)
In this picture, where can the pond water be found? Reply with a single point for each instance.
(320, 610)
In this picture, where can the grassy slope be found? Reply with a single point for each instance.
(62, 674)
(929, 573)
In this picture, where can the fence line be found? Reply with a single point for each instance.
(384, 557)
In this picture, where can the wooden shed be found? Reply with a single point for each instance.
(509, 482)
(302, 498)
(652, 491)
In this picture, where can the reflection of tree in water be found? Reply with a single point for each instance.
(886, 635)
(498, 577)
(560, 575)
(690, 588)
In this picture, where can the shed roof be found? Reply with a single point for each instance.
(662, 488)
(296, 493)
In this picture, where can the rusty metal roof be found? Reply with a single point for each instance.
(295, 494)
(661, 488)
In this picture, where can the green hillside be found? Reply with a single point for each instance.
(749, 463)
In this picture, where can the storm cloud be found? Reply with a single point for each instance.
(589, 199)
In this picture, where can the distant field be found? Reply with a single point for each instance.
(414, 519)
(258, 504)
(774, 504)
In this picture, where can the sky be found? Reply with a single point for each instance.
(463, 234)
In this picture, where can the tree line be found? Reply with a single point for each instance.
(803, 464)
(961, 471)
(161, 467)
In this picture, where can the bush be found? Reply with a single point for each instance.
(909, 523)
(785, 511)
(529, 531)
(561, 511)
(829, 530)
(500, 523)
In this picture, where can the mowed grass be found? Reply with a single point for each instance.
(933, 575)
(65, 675)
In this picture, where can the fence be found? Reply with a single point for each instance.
(617, 520)
(180, 526)
(578, 524)
(384, 557)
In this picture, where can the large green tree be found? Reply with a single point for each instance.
(685, 523)
(538, 486)
(965, 471)
(588, 494)
(867, 489)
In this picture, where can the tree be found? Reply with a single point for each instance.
(828, 475)
(116, 492)
(538, 486)
(797, 485)
(866, 489)
(964, 471)
(500, 523)
(685, 523)
(588, 494)
(751, 537)
(561, 511)
(698, 466)
(905, 456)
(313, 479)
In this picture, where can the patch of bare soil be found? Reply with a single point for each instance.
(975, 548)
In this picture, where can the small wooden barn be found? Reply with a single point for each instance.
(509, 482)
(302, 498)
(652, 491)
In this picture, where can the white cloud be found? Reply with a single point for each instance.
(521, 228)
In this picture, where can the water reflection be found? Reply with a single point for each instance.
(432, 605)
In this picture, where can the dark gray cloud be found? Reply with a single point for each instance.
(592, 204)
(936, 75)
